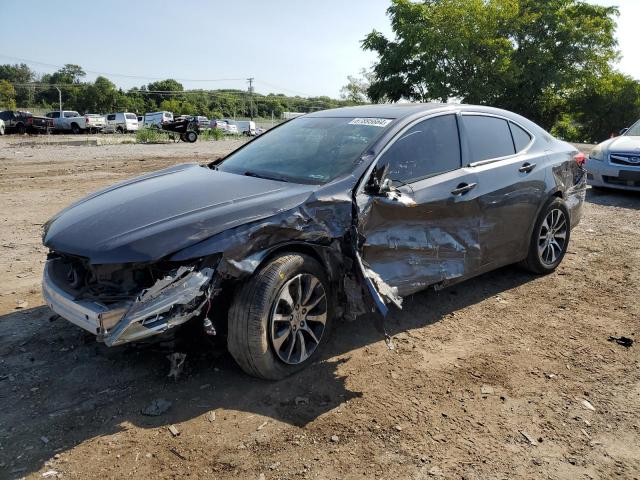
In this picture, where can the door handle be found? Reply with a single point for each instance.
(527, 167)
(463, 188)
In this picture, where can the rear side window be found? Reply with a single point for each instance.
(488, 137)
(428, 148)
(521, 137)
(111, 117)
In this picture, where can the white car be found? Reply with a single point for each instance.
(121, 122)
(615, 163)
(1, 127)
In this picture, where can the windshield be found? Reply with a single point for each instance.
(634, 131)
(306, 150)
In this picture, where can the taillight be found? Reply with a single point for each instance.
(87, 120)
(30, 120)
(580, 158)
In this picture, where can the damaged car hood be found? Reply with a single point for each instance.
(149, 217)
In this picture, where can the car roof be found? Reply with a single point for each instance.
(384, 110)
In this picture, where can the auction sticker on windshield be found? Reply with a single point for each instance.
(373, 122)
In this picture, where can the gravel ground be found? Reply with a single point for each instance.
(504, 376)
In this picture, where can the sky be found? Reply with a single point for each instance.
(296, 47)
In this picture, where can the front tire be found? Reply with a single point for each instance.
(75, 128)
(280, 318)
(550, 238)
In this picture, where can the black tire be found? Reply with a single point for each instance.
(250, 317)
(535, 262)
(75, 128)
(191, 136)
(21, 129)
(119, 130)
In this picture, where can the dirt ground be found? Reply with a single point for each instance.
(505, 376)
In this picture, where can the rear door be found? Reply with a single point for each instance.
(511, 184)
(427, 231)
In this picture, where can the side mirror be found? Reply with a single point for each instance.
(378, 182)
(623, 131)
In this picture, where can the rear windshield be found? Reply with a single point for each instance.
(306, 150)
(131, 116)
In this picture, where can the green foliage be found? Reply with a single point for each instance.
(211, 134)
(506, 53)
(151, 135)
(567, 129)
(605, 104)
(7, 96)
(357, 88)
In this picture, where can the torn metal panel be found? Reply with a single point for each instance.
(170, 302)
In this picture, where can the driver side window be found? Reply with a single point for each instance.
(429, 148)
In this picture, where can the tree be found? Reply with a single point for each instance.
(605, 105)
(356, 90)
(70, 73)
(7, 96)
(506, 53)
(19, 74)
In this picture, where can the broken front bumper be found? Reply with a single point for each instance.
(170, 302)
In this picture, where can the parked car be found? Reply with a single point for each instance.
(24, 122)
(203, 122)
(219, 124)
(1, 127)
(156, 119)
(225, 125)
(245, 127)
(121, 122)
(72, 121)
(335, 213)
(140, 120)
(94, 122)
(615, 163)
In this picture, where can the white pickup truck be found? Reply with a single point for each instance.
(70, 121)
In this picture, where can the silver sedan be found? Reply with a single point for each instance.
(615, 163)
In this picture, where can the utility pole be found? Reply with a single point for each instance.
(250, 80)
(59, 98)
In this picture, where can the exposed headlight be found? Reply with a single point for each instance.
(597, 154)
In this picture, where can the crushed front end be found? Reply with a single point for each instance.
(123, 303)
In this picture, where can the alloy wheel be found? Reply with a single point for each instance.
(552, 238)
(298, 318)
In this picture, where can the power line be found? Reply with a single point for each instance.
(139, 77)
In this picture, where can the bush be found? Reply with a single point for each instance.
(211, 134)
(150, 135)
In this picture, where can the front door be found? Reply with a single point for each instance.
(427, 231)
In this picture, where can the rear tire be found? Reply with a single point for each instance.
(75, 129)
(21, 128)
(191, 136)
(263, 324)
(550, 238)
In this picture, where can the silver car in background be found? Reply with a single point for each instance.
(615, 163)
